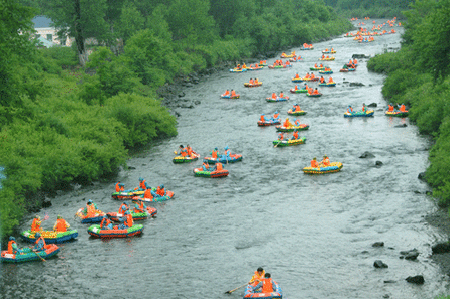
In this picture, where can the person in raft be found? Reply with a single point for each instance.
(257, 276)
(227, 93)
(139, 207)
(215, 153)
(276, 115)
(39, 245)
(205, 166)
(267, 284)
(325, 161)
(314, 163)
(295, 135)
(128, 221)
(226, 154)
(106, 224)
(90, 208)
(12, 246)
(123, 208)
(142, 184)
(61, 225)
(119, 187)
(160, 190)
(218, 167)
(349, 109)
(149, 193)
(364, 109)
(36, 224)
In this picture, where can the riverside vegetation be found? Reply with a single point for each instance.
(68, 118)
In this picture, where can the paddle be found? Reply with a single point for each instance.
(278, 143)
(231, 291)
(38, 255)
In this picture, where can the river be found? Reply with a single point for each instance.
(314, 234)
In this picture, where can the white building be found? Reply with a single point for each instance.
(43, 28)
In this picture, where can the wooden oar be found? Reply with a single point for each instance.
(38, 255)
(231, 291)
(277, 143)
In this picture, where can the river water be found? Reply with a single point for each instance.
(314, 234)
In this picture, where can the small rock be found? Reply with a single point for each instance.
(367, 155)
(401, 126)
(356, 84)
(379, 264)
(418, 279)
(378, 244)
(372, 105)
(422, 176)
(378, 163)
(182, 95)
(389, 281)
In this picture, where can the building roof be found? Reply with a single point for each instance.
(42, 22)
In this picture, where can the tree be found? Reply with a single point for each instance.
(81, 19)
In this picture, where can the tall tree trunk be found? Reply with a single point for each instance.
(79, 38)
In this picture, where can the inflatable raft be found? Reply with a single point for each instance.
(327, 84)
(252, 85)
(283, 66)
(114, 216)
(187, 159)
(325, 72)
(334, 167)
(223, 96)
(303, 90)
(168, 195)
(296, 113)
(314, 95)
(297, 80)
(397, 113)
(329, 52)
(255, 68)
(95, 231)
(301, 127)
(283, 143)
(317, 68)
(359, 114)
(278, 99)
(210, 174)
(223, 159)
(126, 194)
(50, 237)
(270, 122)
(307, 48)
(328, 59)
(236, 70)
(249, 293)
(97, 217)
(29, 255)
(284, 55)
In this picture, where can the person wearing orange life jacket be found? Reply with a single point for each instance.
(295, 135)
(296, 87)
(297, 122)
(124, 207)
(274, 96)
(183, 152)
(215, 152)
(349, 109)
(330, 80)
(251, 82)
(267, 284)
(325, 161)
(315, 92)
(106, 224)
(143, 184)
(90, 209)
(364, 109)
(205, 166)
(403, 108)
(323, 56)
(36, 224)
(263, 118)
(322, 79)
(219, 166)
(39, 244)
(139, 207)
(306, 87)
(296, 108)
(390, 108)
(312, 76)
(287, 123)
(227, 152)
(160, 190)
(233, 93)
(226, 93)
(149, 193)
(281, 96)
(310, 91)
(307, 75)
(280, 136)
(189, 150)
(297, 76)
(256, 81)
(244, 66)
(128, 221)
(314, 163)
(257, 276)
(60, 225)
(119, 187)
(12, 246)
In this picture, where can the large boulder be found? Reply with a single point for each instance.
(367, 155)
(441, 248)
(418, 279)
(379, 264)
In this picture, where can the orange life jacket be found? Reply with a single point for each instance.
(326, 162)
(257, 277)
(227, 92)
(123, 208)
(189, 151)
(10, 248)
(140, 207)
(330, 80)
(160, 191)
(119, 188)
(281, 95)
(267, 285)
(233, 93)
(274, 96)
(402, 108)
(148, 193)
(183, 153)
(129, 220)
(214, 154)
(90, 210)
(251, 82)
(219, 166)
(322, 80)
(61, 225)
(41, 238)
(297, 76)
(36, 225)
(296, 87)
(142, 184)
(295, 135)
(390, 108)
(105, 222)
(262, 118)
(349, 110)
(314, 163)
(315, 91)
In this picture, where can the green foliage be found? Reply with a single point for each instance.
(370, 8)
